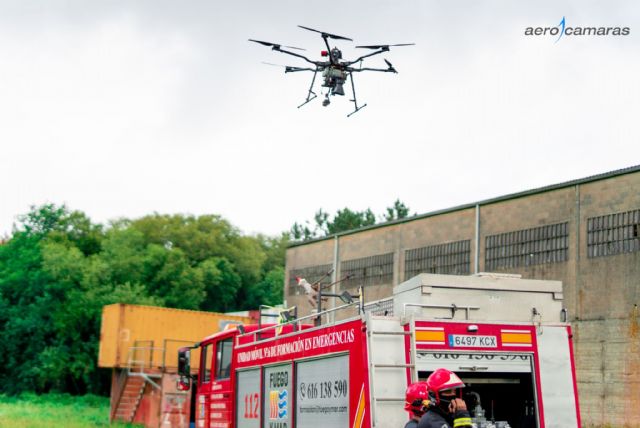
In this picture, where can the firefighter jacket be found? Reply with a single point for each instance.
(436, 418)
(411, 424)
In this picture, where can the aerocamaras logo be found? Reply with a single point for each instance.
(563, 30)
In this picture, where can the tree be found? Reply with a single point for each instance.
(57, 222)
(275, 249)
(198, 237)
(58, 269)
(273, 286)
(397, 211)
(301, 232)
(172, 279)
(269, 291)
(46, 337)
(344, 220)
(221, 285)
(201, 238)
(39, 221)
(24, 325)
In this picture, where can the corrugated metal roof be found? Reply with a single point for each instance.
(589, 179)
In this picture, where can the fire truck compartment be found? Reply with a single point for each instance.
(500, 387)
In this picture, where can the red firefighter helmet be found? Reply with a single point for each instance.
(443, 380)
(415, 397)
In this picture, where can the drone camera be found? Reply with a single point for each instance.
(324, 53)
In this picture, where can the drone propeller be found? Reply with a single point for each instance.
(274, 65)
(390, 66)
(386, 47)
(331, 36)
(287, 68)
(275, 45)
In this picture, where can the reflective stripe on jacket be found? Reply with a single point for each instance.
(435, 418)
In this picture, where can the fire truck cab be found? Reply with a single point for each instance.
(506, 338)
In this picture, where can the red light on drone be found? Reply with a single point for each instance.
(324, 53)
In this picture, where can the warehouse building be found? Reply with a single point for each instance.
(584, 232)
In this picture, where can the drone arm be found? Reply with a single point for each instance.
(289, 69)
(381, 50)
(383, 70)
(276, 48)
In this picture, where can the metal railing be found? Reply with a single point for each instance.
(382, 307)
(141, 357)
(453, 308)
(256, 334)
(143, 354)
(138, 365)
(148, 362)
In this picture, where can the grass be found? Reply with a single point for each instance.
(55, 410)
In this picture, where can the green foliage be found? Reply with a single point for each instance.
(344, 220)
(272, 287)
(267, 292)
(397, 211)
(169, 275)
(274, 249)
(58, 270)
(301, 232)
(221, 283)
(44, 219)
(44, 411)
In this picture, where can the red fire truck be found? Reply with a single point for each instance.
(506, 337)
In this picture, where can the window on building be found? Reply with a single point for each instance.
(613, 234)
(539, 245)
(311, 274)
(374, 270)
(452, 258)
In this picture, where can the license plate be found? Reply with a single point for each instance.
(472, 341)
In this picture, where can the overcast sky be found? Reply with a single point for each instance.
(125, 108)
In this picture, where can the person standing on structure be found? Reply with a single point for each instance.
(310, 290)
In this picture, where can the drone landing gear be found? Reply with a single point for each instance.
(354, 100)
(310, 93)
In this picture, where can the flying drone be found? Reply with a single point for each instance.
(334, 71)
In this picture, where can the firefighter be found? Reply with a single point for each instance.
(311, 290)
(416, 401)
(446, 408)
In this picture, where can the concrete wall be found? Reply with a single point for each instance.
(607, 292)
(600, 293)
(314, 254)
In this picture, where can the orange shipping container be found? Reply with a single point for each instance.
(151, 335)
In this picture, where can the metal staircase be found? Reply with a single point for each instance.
(132, 382)
(130, 398)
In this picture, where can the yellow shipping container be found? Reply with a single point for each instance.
(150, 336)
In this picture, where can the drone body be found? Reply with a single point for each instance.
(334, 71)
